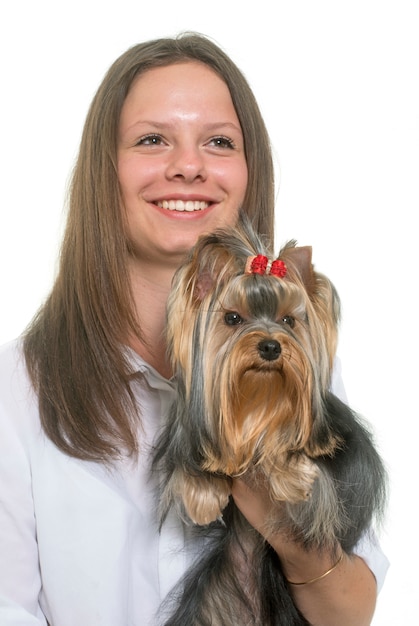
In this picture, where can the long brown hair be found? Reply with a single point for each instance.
(73, 346)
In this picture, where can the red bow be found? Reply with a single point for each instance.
(278, 268)
(260, 264)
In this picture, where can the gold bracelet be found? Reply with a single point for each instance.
(313, 580)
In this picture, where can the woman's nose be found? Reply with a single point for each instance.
(186, 163)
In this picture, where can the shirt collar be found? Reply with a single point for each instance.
(140, 367)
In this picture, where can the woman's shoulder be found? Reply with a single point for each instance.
(18, 402)
(12, 364)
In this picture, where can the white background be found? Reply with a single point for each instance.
(338, 84)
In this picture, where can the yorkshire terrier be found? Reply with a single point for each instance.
(252, 343)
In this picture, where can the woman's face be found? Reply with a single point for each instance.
(181, 162)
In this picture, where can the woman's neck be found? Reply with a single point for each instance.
(151, 289)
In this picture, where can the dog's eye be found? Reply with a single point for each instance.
(288, 320)
(232, 318)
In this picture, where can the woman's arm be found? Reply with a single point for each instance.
(20, 579)
(346, 596)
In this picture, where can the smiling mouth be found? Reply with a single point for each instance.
(180, 205)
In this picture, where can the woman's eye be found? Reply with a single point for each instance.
(150, 140)
(232, 318)
(222, 142)
(288, 320)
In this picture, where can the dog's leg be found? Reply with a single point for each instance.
(292, 480)
(204, 496)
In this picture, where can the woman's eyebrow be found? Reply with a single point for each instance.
(169, 125)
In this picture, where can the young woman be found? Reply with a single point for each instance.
(173, 146)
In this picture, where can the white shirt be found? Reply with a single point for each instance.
(79, 542)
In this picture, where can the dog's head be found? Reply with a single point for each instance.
(253, 341)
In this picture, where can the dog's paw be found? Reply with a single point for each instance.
(294, 481)
(204, 498)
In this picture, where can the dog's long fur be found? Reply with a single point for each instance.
(253, 356)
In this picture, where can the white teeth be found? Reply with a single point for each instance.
(180, 205)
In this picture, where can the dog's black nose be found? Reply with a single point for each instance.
(269, 349)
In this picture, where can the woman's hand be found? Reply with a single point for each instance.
(346, 596)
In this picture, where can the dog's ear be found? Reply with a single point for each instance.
(299, 258)
(212, 263)
(203, 285)
(321, 293)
